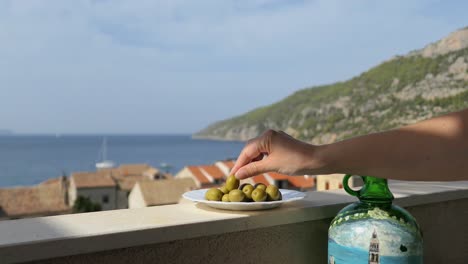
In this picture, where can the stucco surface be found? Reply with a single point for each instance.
(443, 224)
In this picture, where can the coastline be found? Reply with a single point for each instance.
(215, 138)
(31, 159)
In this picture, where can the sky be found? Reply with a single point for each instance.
(144, 67)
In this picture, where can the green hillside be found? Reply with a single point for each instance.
(399, 91)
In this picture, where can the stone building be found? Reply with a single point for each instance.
(98, 186)
(151, 193)
(47, 198)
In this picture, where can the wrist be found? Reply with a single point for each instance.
(323, 159)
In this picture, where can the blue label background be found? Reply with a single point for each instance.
(352, 255)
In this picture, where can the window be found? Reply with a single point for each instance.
(327, 186)
(105, 199)
(282, 184)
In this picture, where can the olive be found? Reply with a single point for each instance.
(261, 186)
(259, 195)
(225, 198)
(247, 189)
(213, 194)
(232, 183)
(224, 189)
(243, 185)
(236, 196)
(273, 194)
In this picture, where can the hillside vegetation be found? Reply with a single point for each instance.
(402, 90)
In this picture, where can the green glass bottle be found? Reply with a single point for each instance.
(373, 230)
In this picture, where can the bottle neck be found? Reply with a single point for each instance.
(375, 190)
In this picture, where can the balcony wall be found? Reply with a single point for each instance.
(189, 233)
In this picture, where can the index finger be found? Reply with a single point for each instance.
(251, 151)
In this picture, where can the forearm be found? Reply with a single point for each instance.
(435, 149)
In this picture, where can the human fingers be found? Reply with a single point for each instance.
(254, 150)
(253, 168)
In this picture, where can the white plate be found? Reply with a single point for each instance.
(199, 197)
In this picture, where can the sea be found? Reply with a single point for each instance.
(31, 159)
(350, 255)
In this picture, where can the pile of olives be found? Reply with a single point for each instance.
(232, 192)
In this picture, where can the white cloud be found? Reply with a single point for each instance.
(142, 57)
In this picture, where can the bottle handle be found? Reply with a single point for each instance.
(347, 188)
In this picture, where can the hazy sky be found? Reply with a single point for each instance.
(176, 66)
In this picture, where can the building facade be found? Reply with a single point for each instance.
(335, 181)
(99, 187)
(162, 192)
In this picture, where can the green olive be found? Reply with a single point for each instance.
(232, 183)
(213, 194)
(259, 195)
(261, 186)
(273, 194)
(247, 189)
(224, 189)
(242, 186)
(225, 198)
(236, 196)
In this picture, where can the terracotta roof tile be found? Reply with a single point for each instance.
(151, 172)
(195, 170)
(165, 191)
(277, 176)
(213, 171)
(260, 179)
(229, 163)
(133, 169)
(127, 183)
(44, 199)
(51, 180)
(93, 179)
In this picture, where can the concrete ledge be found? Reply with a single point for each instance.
(81, 234)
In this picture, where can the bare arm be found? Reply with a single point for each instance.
(431, 150)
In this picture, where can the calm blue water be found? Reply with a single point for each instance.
(351, 255)
(27, 160)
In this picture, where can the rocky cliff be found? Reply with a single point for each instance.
(402, 90)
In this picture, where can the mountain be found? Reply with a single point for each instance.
(399, 91)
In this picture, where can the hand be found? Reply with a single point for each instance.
(276, 151)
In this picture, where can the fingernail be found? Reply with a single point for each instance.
(240, 174)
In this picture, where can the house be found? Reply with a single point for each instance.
(111, 187)
(335, 181)
(205, 176)
(48, 198)
(98, 186)
(225, 166)
(150, 193)
(300, 183)
(126, 175)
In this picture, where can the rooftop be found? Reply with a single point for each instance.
(43, 199)
(212, 171)
(206, 174)
(165, 191)
(96, 179)
(133, 169)
(198, 174)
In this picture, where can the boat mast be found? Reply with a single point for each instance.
(104, 149)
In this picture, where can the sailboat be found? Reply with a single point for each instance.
(104, 163)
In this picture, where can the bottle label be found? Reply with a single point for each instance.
(373, 238)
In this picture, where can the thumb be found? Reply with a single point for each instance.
(252, 169)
